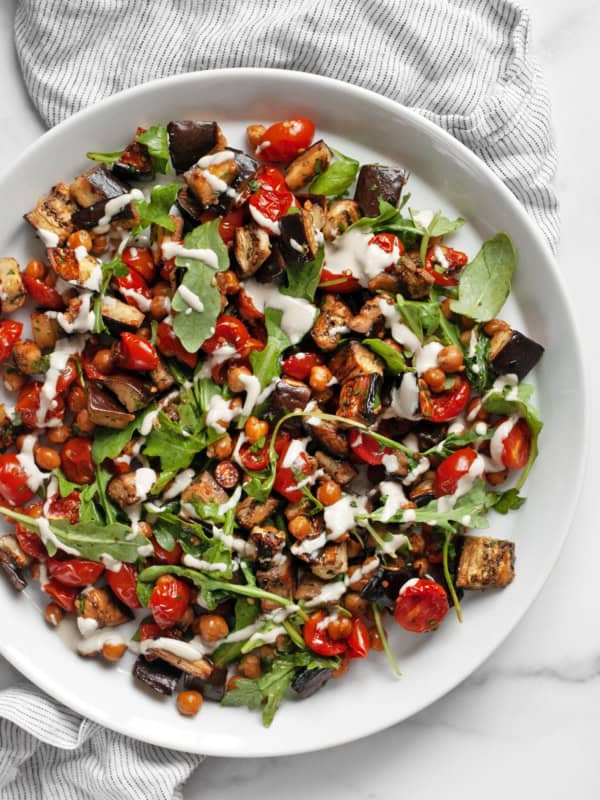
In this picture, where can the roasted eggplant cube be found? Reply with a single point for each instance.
(354, 359)
(101, 605)
(274, 266)
(360, 398)
(331, 323)
(308, 165)
(132, 392)
(189, 206)
(297, 238)
(45, 330)
(54, 214)
(385, 584)
(485, 563)
(103, 410)
(289, 395)
(252, 247)
(135, 162)
(269, 542)
(414, 281)
(120, 317)
(251, 512)
(342, 472)
(90, 217)
(339, 216)
(69, 267)
(329, 436)
(12, 572)
(97, 185)
(378, 183)
(277, 579)
(162, 377)
(518, 356)
(211, 688)
(205, 183)
(309, 681)
(12, 291)
(332, 560)
(205, 489)
(159, 676)
(189, 140)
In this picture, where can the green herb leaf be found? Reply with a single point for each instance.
(510, 500)
(455, 441)
(303, 279)
(108, 442)
(421, 316)
(168, 442)
(156, 140)
(105, 158)
(157, 210)
(337, 178)
(115, 268)
(390, 220)
(439, 226)
(484, 284)
(266, 363)
(477, 364)
(394, 360)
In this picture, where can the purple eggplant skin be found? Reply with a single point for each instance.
(12, 572)
(274, 266)
(211, 688)
(189, 140)
(518, 356)
(376, 182)
(132, 392)
(87, 218)
(135, 163)
(190, 207)
(105, 411)
(309, 681)
(385, 584)
(107, 184)
(159, 676)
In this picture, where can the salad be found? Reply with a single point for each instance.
(262, 414)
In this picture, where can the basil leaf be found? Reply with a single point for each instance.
(266, 363)
(394, 360)
(108, 443)
(105, 158)
(157, 210)
(194, 327)
(303, 279)
(167, 442)
(337, 178)
(421, 316)
(510, 500)
(156, 140)
(484, 284)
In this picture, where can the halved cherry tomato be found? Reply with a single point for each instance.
(10, 332)
(421, 606)
(64, 507)
(13, 481)
(516, 447)
(442, 274)
(76, 460)
(452, 469)
(342, 283)
(319, 640)
(134, 289)
(367, 448)
(228, 331)
(30, 543)
(229, 222)
(67, 376)
(170, 346)
(167, 556)
(246, 307)
(42, 295)
(140, 259)
(446, 405)
(283, 141)
(270, 204)
(28, 405)
(282, 441)
(63, 595)
(358, 642)
(74, 571)
(169, 600)
(287, 478)
(299, 365)
(271, 178)
(252, 459)
(136, 353)
(124, 585)
(387, 242)
(150, 630)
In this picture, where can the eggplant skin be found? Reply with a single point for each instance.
(159, 676)
(385, 584)
(211, 688)
(190, 207)
(309, 681)
(375, 182)
(189, 140)
(518, 356)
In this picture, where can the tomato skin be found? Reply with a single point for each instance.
(299, 365)
(136, 353)
(169, 600)
(64, 507)
(456, 260)
(13, 481)
(10, 332)
(68, 376)
(254, 460)
(167, 556)
(285, 481)
(339, 283)
(63, 595)
(421, 607)
(367, 448)
(358, 642)
(150, 630)
(30, 543)
(28, 405)
(516, 447)
(228, 331)
(246, 307)
(42, 295)
(74, 572)
(140, 259)
(133, 282)
(320, 641)
(271, 178)
(229, 222)
(447, 405)
(387, 242)
(170, 346)
(283, 141)
(124, 585)
(76, 460)
(452, 469)
(271, 204)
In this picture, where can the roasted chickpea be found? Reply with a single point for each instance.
(12, 378)
(446, 310)
(375, 640)
(233, 682)
(250, 666)
(27, 356)
(144, 528)
(353, 548)
(53, 614)
(60, 434)
(465, 338)
(83, 422)
(340, 628)
(47, 458)
(80, 239)
(300, 527)
(319, 378)
(496, 478)
(77, 399)
(355, 604)
(450, 358)
(254, 134)
(189, 703)
(329, 492)
(159, 307)
(467, 323)
(99, 244)
(281, 642)
(435, 379)
(220, 449)
(35, 269)
(234, 375)
(495, 326)
(104, 361)
(213, 627)
(113, 651)
(161, 289)
(255, 429)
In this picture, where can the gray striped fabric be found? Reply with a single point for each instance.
(464, 64)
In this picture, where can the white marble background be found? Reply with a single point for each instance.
(527, 723)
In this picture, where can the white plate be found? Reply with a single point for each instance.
(444, 175)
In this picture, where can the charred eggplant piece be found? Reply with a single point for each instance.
(340, 215)
(274, 266)
(90, 217)
(360, 398)
(423, 493)
(159, 676)
(333, 439)
(213, 184)
(189, 205)
(132, 392)
(54, 213)
(277, 579)
(289, 395)
(211, 688)
(119, 316)
(297, 238)
(376, 182)
(252, 248)
(385, 584)
(251, 512)
(12, 572)
(308, 165)
(204, 490)
(103, 410)
(309, 681)
(45, 330)
(518, 356)
(189, 140)
(200, 668)
(162, 377)
(485, 563)
(414, 281)
(354, 359)
(331, 324)
(12, 291)
(97, 185)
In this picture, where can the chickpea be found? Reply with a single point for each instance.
(233, 682)
(35, 269)
(161, 289)
(495, 326)
(319, 378)
(189, 703)
(99, 244)
(300, 527)
(144, 528)
(435, 379)
(254, 134)
(342, 669)
(450, 358)
(281, 642)
(113, 651)
(329, 492)
(255, 429)
(496, 478)
(266, 651)
(465, 338)
(80, 238)
(220, 449)
(446, 310)
(104, 361)
(77, 399)
(354, 548)
(467, 323)
(12, 379)
(234, 375)
(159, 307)
(53, 614)
(35, 571)
(340, 628)
(60, 434)
(83, 422)
(355, 604)
(213, 627)
(375, 640)
(47, 458)
(250, 666)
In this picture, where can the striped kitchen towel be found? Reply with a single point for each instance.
(466, 65)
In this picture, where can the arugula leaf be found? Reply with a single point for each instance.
(157, 210)
(156, 140)
(266, 362)
(421, 316)
(439, 226)
(338, 177)
(167, 441)
(510, 500)
(144, 593)
(484, 284)
(477, 365)
(105, 158)
(103, 478)
(195, 327)
(455, 441)
(90, 539)
(303, 279)
(109, 442)
(393, 358)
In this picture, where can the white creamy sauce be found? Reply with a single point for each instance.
(340, 517)
(394, 543)
(309, 545)
(440, 257)
(310, 479)
(510, 381)
(408, 584)
(111, 564)
(409, 515)
(63, 350)
(264, 221)
(411, 441)
(298, 315)
(252, 386)
(87, 626)
(267, 637)
(115, 206)
(206, 566)
(179, 484)
(390, 462)
(296, 246)
(329, 594)
(177, 250)
(220, 413)
(463, 485)
(394, 499)
(49, 238)
(458, 425)
(466, 520)
(296, 449)
(220, 355)
(230, 504)
(83, 321)
(401, 333)
(426, 356)
(212, 159)
(324, 623)
(96, 641)
(35, 477)
(424, 217)
(244, 548)
(352, 253)
(145, 478)
(141, 302)
(192, 300)
(500, 434)
(47, 535)
(148, 422)
(421, 467)
(193, 650)
(404, 399)
(93, 280)
(474, 411)
(262, 146)
(480, 428)
(369, 566)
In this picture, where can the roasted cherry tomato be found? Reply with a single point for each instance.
(270, 205)
(452, 469)
(30, 543)
(150, 630)
(282, 441)
(229, 222)
(134, 289)
(167, 556)
(299, 365)
(358, 642)
(13, 481)
(170, 346)
(366, 447)
(271, 178)
(10, 332)
(288, 477)
(42, 295)
(64, 507)
(283, 141)
(421, 606)
(140, 259)
(246, 307)
(252, 458)
(124, 585)
(169, 600)
(319, 640)
(228, 331)
(387, 242)
(74, 571)
(28, 405)
(67, 376)
(342, 283)
(516, 447)
(76, 460)
(446, 405)
(63, 595)
(136, 353)
(442, 263)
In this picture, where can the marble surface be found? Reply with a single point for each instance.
(527, 722)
